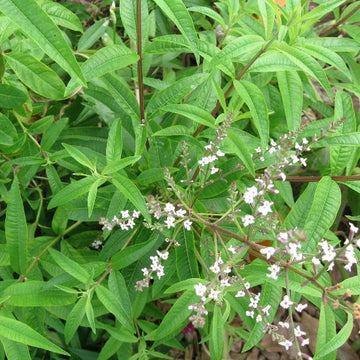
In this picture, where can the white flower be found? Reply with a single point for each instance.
(125, 214)
(145, 271)
(215, 268)
(187, 224)
(294, 159)
(265, 208)
(248, 220)
(200, 289)
(274, 271)
(283, 176)
(170, 222)
(253, 302)
(268, 251)
(247, 285)
(220, 153)
(266, 310)
(250, 313)
(305, 342)
(136, 214)
(131, 223)
(169, 208)
(298, 332)
(213, 170)
(240, 293)
(286, 302)
(286, 344)
(301, 307)
(353, 228)
(258, 150)
(181, 213)
(305, 141)
(303, 161)
(214, 294)
(284, 325)
(259, 318)
(224, 283)
(163, 255)
(232, 249)
(315, 261)
(250, 194)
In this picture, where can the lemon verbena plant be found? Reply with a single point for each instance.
(179, 179)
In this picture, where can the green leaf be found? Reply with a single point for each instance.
(119, 334)
(217, 335)
(270, 295)
(36, 75)
(338, 340)
(326, 203)
(70, 266)
(79, 156)
(131, 192)
(61, 15)
(207, 11)
(192, 112)
(32, 293)
(15, 350)
(241, 151)
(89, 311)
(52, 134)
(175, 130)
(17, 331)
(122, 95)
(93, 34)
(340, 156)
(176, 319)
(119, 164)
(39, 27)
(11, 97)
(114, 306)
(321, 10)
(255, 101)
(174, 93)
(108, 59)
(92, 195)
(306, 63)
(349, 139)
(326, 329)
(132, 253)
(74, 319)
(291, 90)
(327, 55)
(268, 16)
(176, 11)
(71, 192)
(186, 263)
(16, 231)
(114, 143)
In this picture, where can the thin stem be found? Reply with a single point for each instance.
(45, 250)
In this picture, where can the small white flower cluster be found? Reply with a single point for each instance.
(211, 291)
(156, 266)
(97, 244)
(173, 215)
(214, 155)
(126, 221)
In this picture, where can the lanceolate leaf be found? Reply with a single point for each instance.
(338, 340)
(350, 139)
(327, 199)
(36, 75)
(186, 263)
(16, 231)
(39, 27)
(114, 143)
(11, 97)
(71, 192)
(176, 319)
(177, 12)
(17, 331)
(241, 150)
(74, 319)
(130, 191)
(307, 64)
(217, 335)
(15, 350)
(192, 112)
(175, 92)
(254, 99)
(113, 305)
(70, 266)
(290, 83)
(327, 328)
